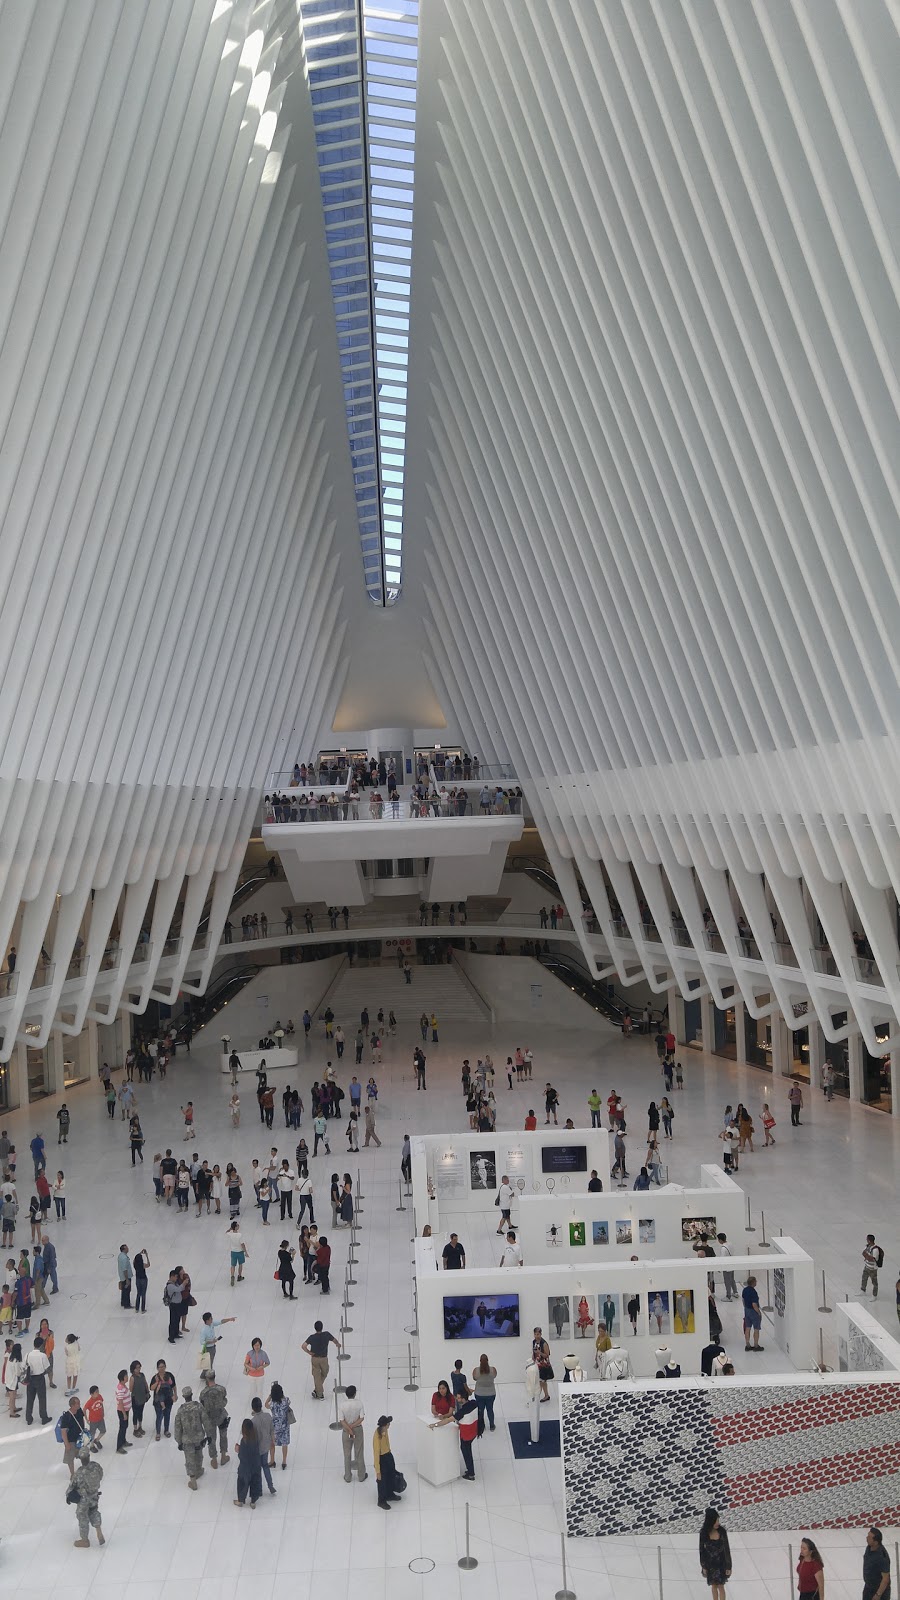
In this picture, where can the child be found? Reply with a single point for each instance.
(73, 1362)
(35, 1217)
(679, 1075)
(372, 1089)
(94, 1417)
(7, 1302)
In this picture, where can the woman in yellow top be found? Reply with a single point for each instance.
(601, 1343)
(385, 1471)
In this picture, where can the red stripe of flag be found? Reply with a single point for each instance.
(849, 1403)
(807, 1477)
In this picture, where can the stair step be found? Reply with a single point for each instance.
(433, 989)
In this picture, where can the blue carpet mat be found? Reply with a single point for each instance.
(520, 1439)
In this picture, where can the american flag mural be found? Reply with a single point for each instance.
(796, 1455)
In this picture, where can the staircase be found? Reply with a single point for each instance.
(439, 989)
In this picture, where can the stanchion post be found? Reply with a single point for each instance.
(768, 1305)
(749, 1228)
(334, 1426)
(659, 1570)
(467, 1562)
(401, 1206)
(347, 1281)
(411, 1388)
(343, 1355)
(822, 1366)
(763, 1243)
(824, 1307)
(345, 1326)
(359, 1193)
(565, 1593)
(791, 1568)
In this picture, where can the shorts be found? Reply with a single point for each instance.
(752, 1319)
(237, 1258)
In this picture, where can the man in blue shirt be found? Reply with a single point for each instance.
(37, 1153)
(209, 1337)
(752, 1315)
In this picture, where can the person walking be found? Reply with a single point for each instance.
(265, 1433)
(172, 1298)
(316, 1347)
(810, 1572)
(385, 1469)
(468, 1420)
(123, 1411)
(162, 1388)
(190, 1435)
(795, 1096)
(406, 1160)
(255, 1363)
(249, 1474)
(37, 1366)
(279, 1405)
(752, 1315)
(63, 1119)
(84, 1493)
(59, 1196)
(876, 1567)
(73, 1428)
(371, 1135)
(419, 1059)
(715, 1554)
(238, 1251)
(285, 1269)
(126, 1273)
(873, 1258)
(728, 1278)
(352, 1416)
(595, 1107)
(551, 1103)
(504, 1200)
(140, 1396)
(213, 1402)
(768, 1122)
(485, 1391)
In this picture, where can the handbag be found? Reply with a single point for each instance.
(290, 1416)
(545, 1371)
(73, 1495)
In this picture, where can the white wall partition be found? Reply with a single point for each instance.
(461, 1171)
(655, 1223)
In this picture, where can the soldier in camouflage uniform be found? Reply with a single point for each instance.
(87, 1481)
(190, 1436)
(214, 1406)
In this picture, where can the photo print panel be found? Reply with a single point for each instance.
(559, 1325)
(584, 1308)
(600, 1232)
(483, 1169)
(658, 1314)
(692, 1227)
(684, 1311)
(624, 1231)
(609, 1313)
(576, 1233)
(646, 1230)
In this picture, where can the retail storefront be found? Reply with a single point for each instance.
(725, 1032)
(758, 1039)
(877, 1089)
(838, 1054)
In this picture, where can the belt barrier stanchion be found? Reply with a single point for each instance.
(763, 1243)
(347, 1301)
(335, 1425)
(359, 1193)
(822, 1366)
(749, 1228)
(349, 1269)
(345, 1326)
(412, 1386)
(791, 1568)
(401, 1206)
(343, 1355)
(824, 1306)
(565, 1593)
(467, 1562)
(659, 1570)
(768, 1305)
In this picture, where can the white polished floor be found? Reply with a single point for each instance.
(828, 1182)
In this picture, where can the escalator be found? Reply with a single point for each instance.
(202, 1008)
(599, 994)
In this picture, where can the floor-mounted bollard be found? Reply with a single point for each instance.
(401, 1206)
(749, 1228)
(467, 1562)
(565, 1593)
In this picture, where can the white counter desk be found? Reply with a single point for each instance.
(250, 1060)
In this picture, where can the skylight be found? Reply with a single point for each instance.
(362, 59)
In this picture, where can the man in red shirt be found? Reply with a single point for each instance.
(612, 1101)
(530, 1122)
(323, 1264)
(467, 1419)
(670, 1042)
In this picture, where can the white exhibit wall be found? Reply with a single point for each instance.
(656, 1223)
(538, 1287)
(460, 1172)
(863, 1344)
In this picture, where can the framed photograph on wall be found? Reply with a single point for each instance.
(658, 1312)
(558, 1321)
(684, 1311)
(632, 1304)
(576, 1233)
(624, 1232)
(481, 1316)
(646, 1230)
(600, 1232)
(584, 1307)
(553, 1237)
(692, 1227)
(483, 1169)
(608, 1314)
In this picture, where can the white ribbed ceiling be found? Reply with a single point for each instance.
(655, 443)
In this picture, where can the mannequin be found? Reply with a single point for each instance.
(666, 1365)
(615, 1363)
(533, 1395)
(574, 1372)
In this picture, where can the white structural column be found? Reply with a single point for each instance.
(654, 435)
(175, 485)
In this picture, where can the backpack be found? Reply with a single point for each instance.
(58, 1431)
(879, 1255)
